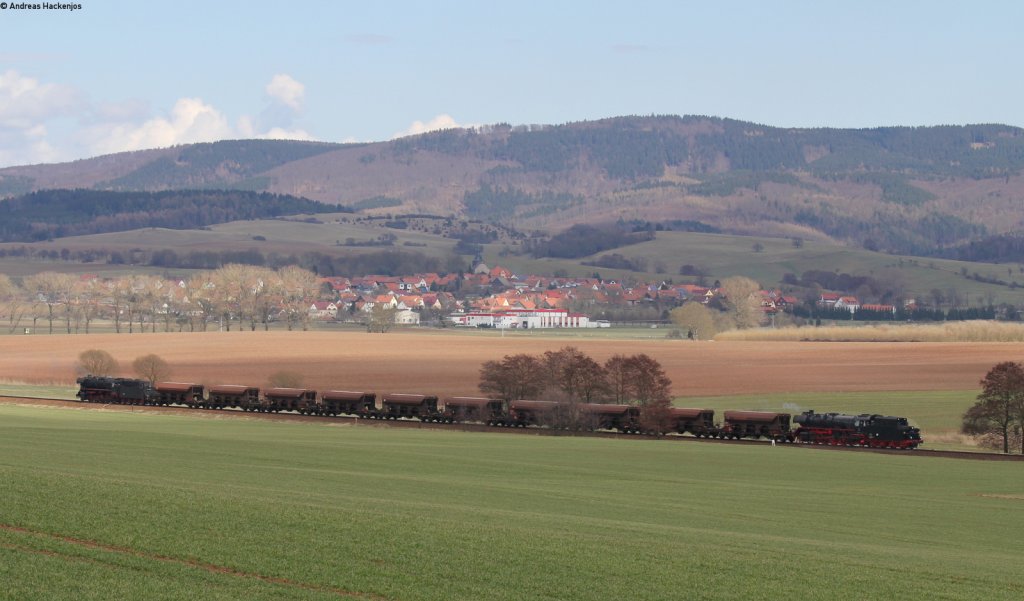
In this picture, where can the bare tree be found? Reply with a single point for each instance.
(13, 303)
(86, 303)
(696, 319)
(576, 374)
(617, 375)
(198, 302)
(118, 291)
(266, 292)
(135, 299)
(300, 288)
(640, 379)
(518, 376)
(151, 367)
(742, 301)
(146, 291)
(53, 290)
(381, 318)
(231, 293)
(97, 362)
(1000, 406)
(648, 382)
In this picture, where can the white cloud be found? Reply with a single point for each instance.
(26, 106)
(46, 122)
(24, 101)
(285, 90)
(439, 122)
(279, 133)
(191, 120)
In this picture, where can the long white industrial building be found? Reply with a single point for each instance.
(525, 319)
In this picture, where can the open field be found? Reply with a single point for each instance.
(448, 362)
(99, 505)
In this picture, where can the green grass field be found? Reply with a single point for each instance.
(100, 505)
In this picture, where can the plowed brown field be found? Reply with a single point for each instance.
(449, 363)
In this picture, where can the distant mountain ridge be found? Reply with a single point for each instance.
(915, 190)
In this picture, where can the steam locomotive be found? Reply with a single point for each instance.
(874, 431)
(865, 430)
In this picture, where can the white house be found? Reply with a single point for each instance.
(323, 310)
(849, 303)
(407, 317)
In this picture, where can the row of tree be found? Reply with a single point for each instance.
(51, 214)
(242, 295)
(98, 362)
(570, 376)
(154, 368)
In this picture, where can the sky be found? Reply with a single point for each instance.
(112, 76)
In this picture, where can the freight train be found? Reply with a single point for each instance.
(875, 431)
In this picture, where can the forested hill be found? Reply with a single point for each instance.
(58, 213)
(919, 190)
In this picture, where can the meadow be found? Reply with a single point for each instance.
(100, 505)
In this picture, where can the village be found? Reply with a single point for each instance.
(498, 298)
(243, 296)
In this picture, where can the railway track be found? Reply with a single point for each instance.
(467, 427)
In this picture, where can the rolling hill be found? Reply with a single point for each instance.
(922, 191)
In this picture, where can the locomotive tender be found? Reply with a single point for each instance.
(875, 431)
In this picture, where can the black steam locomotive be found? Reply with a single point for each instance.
(866, 430)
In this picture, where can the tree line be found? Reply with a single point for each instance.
(224, 164)
(49, 214)
(383, 262)
(240, 296)
(154, 368)
(583, 240)
(570, 377)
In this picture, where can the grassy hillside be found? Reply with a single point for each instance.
(719, 255)
(141, 506)
(723, 256)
